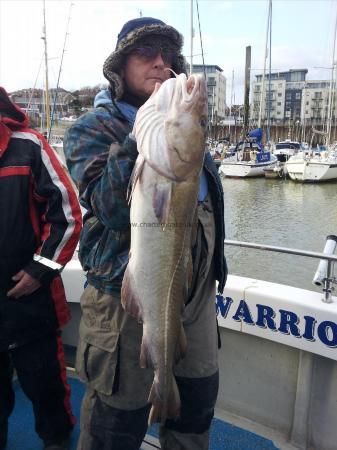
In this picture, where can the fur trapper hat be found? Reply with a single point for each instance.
(133, 33)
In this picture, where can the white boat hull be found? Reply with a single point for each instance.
(230, 167)
(312, 170)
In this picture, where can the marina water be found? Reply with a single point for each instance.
(282, 213)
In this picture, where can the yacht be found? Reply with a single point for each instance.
(285, 149)
(313, 166)
(248, 160)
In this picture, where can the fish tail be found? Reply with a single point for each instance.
(164, 409)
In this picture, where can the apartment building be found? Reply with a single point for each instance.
(216, 88)
(283, 96)
(292, 98)
(315, 102)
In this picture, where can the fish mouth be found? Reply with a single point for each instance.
(193, 92)
(190, 83)
(190, 88)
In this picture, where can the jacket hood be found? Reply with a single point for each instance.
(11, 114)
(103, 98)
(11, 118)
(127, 111)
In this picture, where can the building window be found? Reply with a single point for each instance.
(278, 103)
(279, 94)
(288, 97)
(298, 95)
(278, 113)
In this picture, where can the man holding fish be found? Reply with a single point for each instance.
(152, 246)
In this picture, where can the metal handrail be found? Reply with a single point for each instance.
(290, 251)
(326, 281)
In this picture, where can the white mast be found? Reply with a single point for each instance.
(44, 37)
(231, 104)
(333, 63)
(264, 66)
(59, 74)
(213, 103)
(192, 35)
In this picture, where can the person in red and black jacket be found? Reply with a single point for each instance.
(40, 223)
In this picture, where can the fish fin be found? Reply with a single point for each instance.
(181, 346)
(145, 356)
(189, 279)
(194, 230)
(162, 201)
(136, 172)
(156, 408)
(129, 299)
(161, 409)
(190, 269)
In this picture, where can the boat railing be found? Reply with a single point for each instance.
(324, 273)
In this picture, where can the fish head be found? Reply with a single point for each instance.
(170, 127)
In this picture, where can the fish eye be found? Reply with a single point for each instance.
(203, 122)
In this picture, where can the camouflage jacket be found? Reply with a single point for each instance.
(100, 156)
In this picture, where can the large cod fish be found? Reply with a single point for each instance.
(170, 133)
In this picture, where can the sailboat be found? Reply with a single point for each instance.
(310, 166)
(313, 166)
(250, 159)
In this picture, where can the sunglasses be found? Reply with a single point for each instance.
(148, 53)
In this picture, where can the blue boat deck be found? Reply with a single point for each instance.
(23, 437)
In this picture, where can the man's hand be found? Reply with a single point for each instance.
(25, 285)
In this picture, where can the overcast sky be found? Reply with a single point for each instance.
(302, 37)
